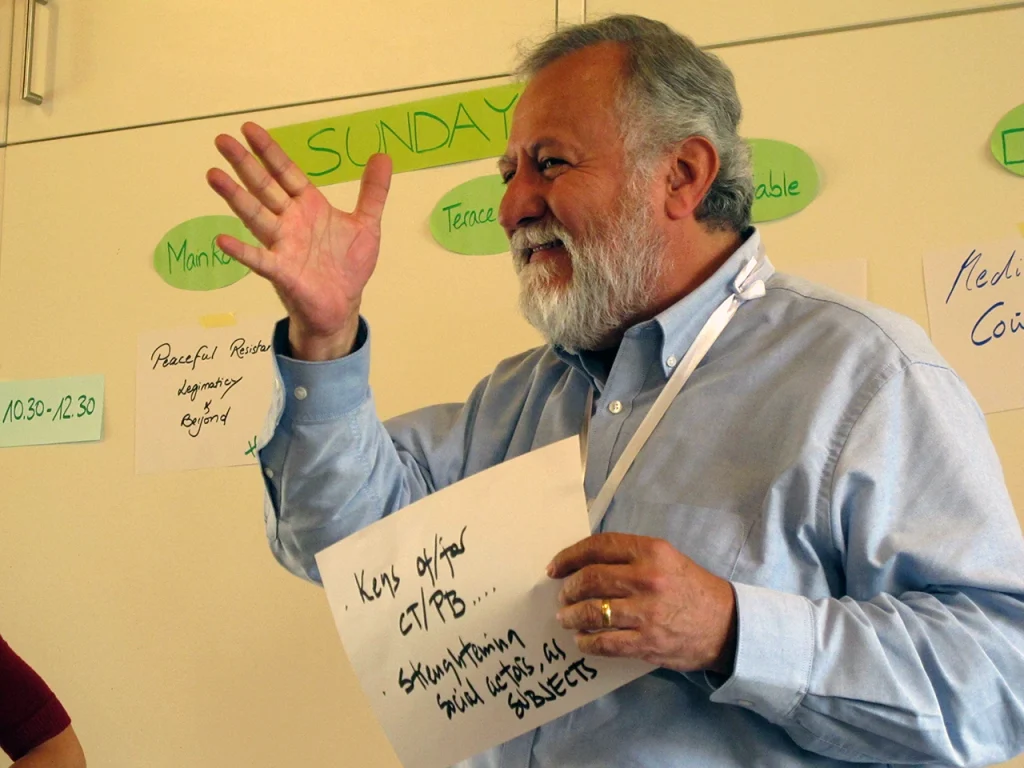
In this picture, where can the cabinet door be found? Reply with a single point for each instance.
(180, 640)
(106, 64)
(726, 21)
(6, 30)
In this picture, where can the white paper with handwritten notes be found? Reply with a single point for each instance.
(448, 616)
(976, 312)
(202, 396)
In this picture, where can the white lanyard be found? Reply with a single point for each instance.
(743, 289)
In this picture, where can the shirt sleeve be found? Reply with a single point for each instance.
(330, 465)
(922, 660)
(30, 713)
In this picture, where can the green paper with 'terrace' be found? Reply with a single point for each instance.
(419, 134)
(188, 257)
(785, 179)
(1007, 142)
(465, 220)
(45, 411)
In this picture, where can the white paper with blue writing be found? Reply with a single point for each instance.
(202, 395)
(976, 313)
(448, 617)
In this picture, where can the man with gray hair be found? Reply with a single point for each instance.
(812, 539)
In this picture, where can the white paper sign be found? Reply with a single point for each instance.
(202, 395)
(448, 617)
(975, 305)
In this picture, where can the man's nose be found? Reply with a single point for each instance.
(523, 202)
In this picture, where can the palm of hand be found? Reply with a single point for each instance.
(318, 258)
(326, 257)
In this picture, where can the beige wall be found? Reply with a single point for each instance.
(152, 604)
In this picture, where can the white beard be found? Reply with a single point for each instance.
(615, 271)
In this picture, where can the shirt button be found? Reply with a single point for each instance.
(614, 406)
(269, 472)
(300, 393)
(671, 362)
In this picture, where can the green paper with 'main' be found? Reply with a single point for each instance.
(187, 257)
(1007, 142)
(785, 179)
(465, 220)
(472, 125)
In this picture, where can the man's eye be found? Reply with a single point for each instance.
(548, 163)
(506, 177)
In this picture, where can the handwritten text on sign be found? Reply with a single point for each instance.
(976, 311)
(448, 616)
(201, 396)
(42, 411)
(465, 220)
(418, 134)
(785, 179)
(188, 257)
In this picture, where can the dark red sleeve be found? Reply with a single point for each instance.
(29, 712)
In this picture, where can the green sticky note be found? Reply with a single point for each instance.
(1008, 141)
(44, 411)
(465, 220)
(187, 257)
(419, 134)
(785, 179)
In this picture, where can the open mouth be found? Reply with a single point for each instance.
(535, 249)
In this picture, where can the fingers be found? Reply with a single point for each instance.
(257, 219)
(255, 177)
(608, 548)
(601, 581)
(287, 173)
(373, 187)
(627, 643)
(588, 616)
(626, 638)
(258, 260)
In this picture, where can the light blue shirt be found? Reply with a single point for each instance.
(823, 458)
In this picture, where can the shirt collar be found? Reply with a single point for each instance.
(679, 324)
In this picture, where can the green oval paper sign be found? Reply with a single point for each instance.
(1008, 141)
(785, 179)
(466, 219)
(188, 257)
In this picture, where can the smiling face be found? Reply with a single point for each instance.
(581, 225)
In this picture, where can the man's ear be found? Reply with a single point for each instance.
(693, 166)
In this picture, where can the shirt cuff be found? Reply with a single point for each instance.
(322, 391)
(774, 652)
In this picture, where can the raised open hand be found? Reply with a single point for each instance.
(318, 258)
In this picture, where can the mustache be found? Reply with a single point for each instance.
(532, 235)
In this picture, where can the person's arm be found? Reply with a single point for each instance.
(332, 467)
(923, 661)
(62, 751)
(35, 729)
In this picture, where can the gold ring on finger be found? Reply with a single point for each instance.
(606, 614)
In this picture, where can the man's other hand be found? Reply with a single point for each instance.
(664, 608)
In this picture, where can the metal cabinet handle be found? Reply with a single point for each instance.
(30, 43)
